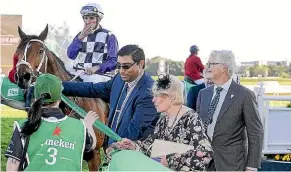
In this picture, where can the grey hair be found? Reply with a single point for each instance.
(225, 57)
(175, 91)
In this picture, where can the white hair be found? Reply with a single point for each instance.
(225, 57)
(175, 91)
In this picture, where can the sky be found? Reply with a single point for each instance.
(252, 29)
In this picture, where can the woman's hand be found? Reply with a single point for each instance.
(123, 144)
(126, 144)
(89, 120)
(112, 147)
(91, 117)
(164, 161)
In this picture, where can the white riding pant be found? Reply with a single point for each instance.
(95, 78)
(199, 81)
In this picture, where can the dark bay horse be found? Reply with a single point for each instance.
(35, 58)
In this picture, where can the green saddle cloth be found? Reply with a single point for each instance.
(129, 160)
(10, 90)
(188, 86)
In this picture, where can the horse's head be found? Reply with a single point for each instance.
(32, 57)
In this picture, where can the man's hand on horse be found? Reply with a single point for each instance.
(92, 70)
(91, 117)
(86, 31)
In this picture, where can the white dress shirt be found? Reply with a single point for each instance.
(225, 86)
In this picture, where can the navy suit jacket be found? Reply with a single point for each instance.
(139, 115)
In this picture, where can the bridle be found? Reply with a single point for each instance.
(23, 61)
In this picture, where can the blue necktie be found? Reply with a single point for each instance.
(213, 106)
(117, 113)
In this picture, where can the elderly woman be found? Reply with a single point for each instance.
(178, 124)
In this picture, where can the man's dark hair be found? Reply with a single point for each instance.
(134, 51)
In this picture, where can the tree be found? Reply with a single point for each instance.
(284, 75)
(243, 71)
(259, 71)
(278, 70)
(152, 65)
(58, 40)
(175, 67)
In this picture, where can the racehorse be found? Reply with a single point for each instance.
(36, 58)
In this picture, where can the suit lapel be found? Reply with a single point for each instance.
(132, 95)
(229, 98)
(206, 100)
(117, 92)
(208, 96)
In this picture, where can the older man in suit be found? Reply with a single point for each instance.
(230, 114)
(132, 113)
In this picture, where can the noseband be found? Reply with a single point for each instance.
(23, 61)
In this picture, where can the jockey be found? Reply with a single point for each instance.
(194, 67)
(93, 49)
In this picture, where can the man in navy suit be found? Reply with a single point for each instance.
(132, 113)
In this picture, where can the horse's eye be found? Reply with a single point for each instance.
(40, 51)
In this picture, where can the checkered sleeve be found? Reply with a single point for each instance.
(74, 48)
(111, 60)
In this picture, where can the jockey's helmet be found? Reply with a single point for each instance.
(92, 9)
(194, 49)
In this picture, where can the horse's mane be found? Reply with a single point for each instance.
(62, 64)
(24, 41)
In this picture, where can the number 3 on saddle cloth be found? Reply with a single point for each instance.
(12, 92)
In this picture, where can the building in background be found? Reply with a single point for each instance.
(9, 40)
(265, 62)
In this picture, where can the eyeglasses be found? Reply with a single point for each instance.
(212, 64)
(125, 67)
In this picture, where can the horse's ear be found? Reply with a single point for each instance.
(42, 36)
(21, 33)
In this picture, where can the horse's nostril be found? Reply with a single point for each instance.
(27, 76)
